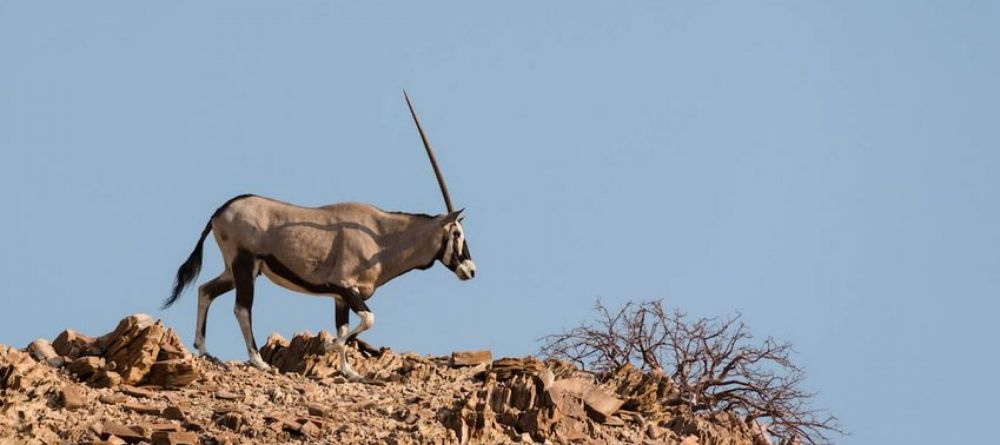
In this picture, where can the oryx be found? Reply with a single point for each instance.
(344, 250)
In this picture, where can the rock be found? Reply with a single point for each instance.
(72, 344)
(115, 440)
(226, 395)
(318, 410)
(175, 412)
(599, 403)
(175, 438)
(427, 400)
(470, 358)
(104, 379)
(231, 420)
(128, 434)
(137, 392)
(173, 372)
(42, 350)
(154, 427)
(85, 367)
(309, 429)
(690, 440)
(72, 397)
(132, 353)
(112, 399)
(143, 408)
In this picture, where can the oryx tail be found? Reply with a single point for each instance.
(188, 271)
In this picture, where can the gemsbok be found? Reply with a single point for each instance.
(345, 251)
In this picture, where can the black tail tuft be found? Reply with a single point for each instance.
(188, 271)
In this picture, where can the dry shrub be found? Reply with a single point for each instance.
(714, 363)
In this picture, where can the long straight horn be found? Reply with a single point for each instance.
(430, 154)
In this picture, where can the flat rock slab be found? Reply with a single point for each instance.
(130, 434)
(226, 395)
(470, 358)
(175, 438)
(135, 391)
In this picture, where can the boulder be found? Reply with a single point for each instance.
(172, 372)
(85, 367)
(133, 353)
(42, 350)
(73, 344)
(600, 405)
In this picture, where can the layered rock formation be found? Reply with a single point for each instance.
(68, 392)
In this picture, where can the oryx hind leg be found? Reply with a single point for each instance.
(207, 293)
(244, 271)
(355, 303)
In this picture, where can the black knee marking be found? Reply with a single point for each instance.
(355, 302)
(214, 289)
(243, 276)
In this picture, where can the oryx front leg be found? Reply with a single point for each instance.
(206, 294)
(243, 275)
(356, 303)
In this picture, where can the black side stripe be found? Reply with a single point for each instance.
(284, 272)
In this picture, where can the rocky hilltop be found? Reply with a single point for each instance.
(138, 384)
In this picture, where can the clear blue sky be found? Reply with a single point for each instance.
(830, 169)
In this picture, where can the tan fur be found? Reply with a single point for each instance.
(348, 244)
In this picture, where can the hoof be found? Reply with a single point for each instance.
(259, 364)
(352, 376)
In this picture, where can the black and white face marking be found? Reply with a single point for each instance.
(456, 252)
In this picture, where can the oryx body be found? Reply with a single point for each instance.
(344, 251)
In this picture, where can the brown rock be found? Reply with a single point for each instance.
(232, 420)
(132, 353)
(104, 379)
(690, 440)
(470, 358)
(175, 438)
(72, 344)
(599, 403)
(154, 427)
(128, 434)
(85, 367)
(72, 397)
(171, 347)
(175, 412)
(112, 399)
(318, 410)
(42, 350)
(173, 372)
(137, 392)
(309, 429)
(128, 326)
(143, 408)
(226, 395)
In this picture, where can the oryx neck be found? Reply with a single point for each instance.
(415, 244)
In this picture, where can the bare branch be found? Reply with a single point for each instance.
(714, 363)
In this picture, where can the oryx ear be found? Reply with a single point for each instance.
(453, 216)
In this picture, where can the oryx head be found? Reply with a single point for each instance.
(454, 252)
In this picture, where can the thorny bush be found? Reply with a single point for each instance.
(714, 363)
